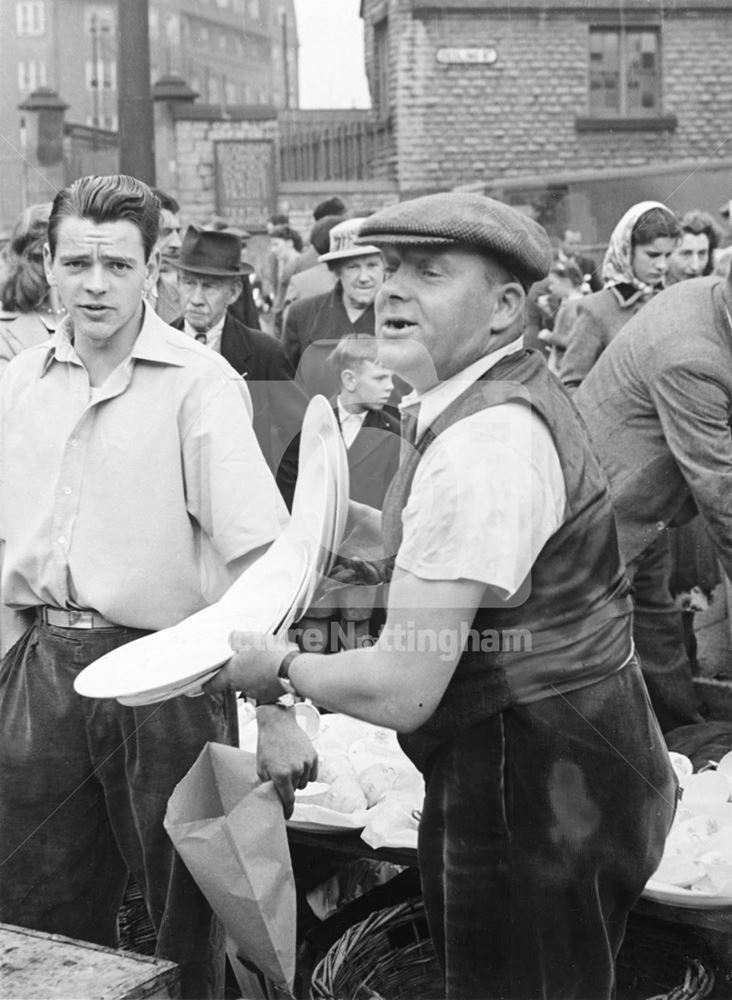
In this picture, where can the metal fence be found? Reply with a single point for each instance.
(353, 149)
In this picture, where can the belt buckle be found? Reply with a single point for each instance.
(80, 619)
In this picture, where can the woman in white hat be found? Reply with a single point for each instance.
(314, 326)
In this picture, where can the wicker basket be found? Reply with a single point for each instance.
(136, 932)
(388, 956)
(698, 983)
(661, 960)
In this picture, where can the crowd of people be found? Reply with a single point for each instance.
(524, 432)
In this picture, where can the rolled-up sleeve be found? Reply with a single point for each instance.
(486, 497)
(230, 490)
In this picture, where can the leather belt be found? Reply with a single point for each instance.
(72, 618)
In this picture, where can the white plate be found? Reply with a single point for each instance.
(173, 657)
(320, 423)
(314, 504)
(343, 489)
(320, 819)
(268, 595)
(154, 662)
(673, 895)
(308, 827)
(192, 688)
(290, 614)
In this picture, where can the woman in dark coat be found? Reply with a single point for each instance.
(633, 271)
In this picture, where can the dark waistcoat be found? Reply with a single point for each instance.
(568, 626)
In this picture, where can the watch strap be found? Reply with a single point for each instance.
(283, 671)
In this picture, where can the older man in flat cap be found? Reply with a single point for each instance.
(506, 662)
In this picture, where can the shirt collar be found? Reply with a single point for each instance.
(434, 401)
(344, 414)
(211, 335)
(152, 343)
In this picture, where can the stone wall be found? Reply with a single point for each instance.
(456, 123)
(195, 176)
(192, 179)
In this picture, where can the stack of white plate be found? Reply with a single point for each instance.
(267, 598)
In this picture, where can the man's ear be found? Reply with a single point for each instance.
(48, 265)
(152, 267)
(235, 292)
(510, 302)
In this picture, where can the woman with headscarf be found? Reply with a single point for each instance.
(30, 308)
(633, 271)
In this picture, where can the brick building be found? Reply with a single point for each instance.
(232, 53)
(487, 92)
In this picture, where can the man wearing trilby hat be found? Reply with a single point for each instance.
(210, 280)
(314, 325)
(506, 663)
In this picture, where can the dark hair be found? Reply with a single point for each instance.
(24, 286)
(352, 351)
(320, 233)
(701, 223)
(108, 199)
(567, 269)
(288, 233)
(655, 224)
(279, 220)
(167, 202)
(331, 206)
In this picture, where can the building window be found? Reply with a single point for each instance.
(30, 17)
(31, 74)
(108, 122)
(380, 81)
(172, 29)
(98, 20)
(625, 73)
(101, 74)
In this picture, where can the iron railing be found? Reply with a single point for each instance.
(328, 149)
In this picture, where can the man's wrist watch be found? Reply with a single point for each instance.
(283, 672)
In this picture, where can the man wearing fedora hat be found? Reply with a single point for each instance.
(506, 663)
(210, 278)
(314, 325)
(245, 308)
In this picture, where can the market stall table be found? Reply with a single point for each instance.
(34, 964)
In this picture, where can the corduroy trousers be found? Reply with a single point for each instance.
(84, 785)
(540, 828)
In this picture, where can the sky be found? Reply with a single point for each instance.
(331, 54)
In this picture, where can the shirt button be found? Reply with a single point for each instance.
(67, 490)
(73, 442)
(660, 526)
(62, 539)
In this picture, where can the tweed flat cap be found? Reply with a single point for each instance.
(465, 219)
